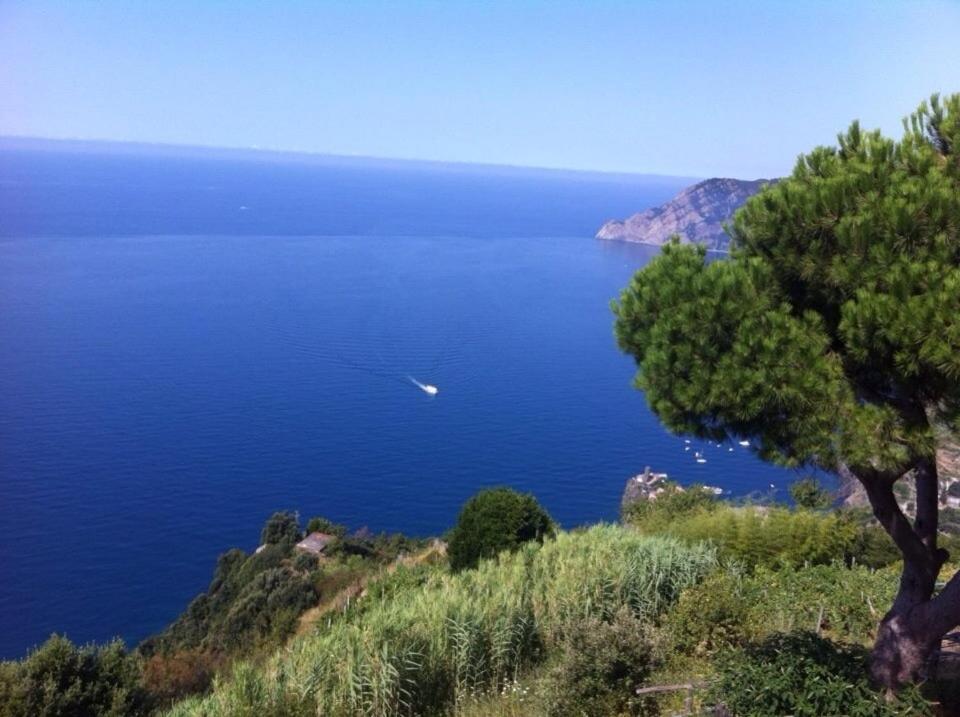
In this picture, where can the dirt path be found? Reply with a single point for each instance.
(356, 589)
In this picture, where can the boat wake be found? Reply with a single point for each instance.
(425, 387)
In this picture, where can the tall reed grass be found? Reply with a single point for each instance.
(433, 647)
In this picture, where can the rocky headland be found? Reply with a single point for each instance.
(696, 215)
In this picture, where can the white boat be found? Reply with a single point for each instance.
(425, 387)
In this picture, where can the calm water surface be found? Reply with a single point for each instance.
(162, 394)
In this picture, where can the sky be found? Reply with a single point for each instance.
(732, 88)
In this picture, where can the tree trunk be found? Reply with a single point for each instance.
(905, 639)
(912, 629)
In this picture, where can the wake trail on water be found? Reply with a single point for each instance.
(425, 387)
(381, 347)
(378, 368)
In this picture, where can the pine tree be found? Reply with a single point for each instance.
(830, 338)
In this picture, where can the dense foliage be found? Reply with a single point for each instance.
(731, 609)
(804, 675)
(601, 664)
(60, 678)
(319, 524)
(839, 307)
(765, 535)
(495, 520)
(281, 528)
(809, 493)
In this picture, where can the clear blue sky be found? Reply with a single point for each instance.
(687, 88)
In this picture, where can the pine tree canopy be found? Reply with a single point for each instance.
(831, 335)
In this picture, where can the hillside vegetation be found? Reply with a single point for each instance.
(677, 594)
(427, 642)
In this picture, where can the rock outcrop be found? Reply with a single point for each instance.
(648, 485)
(697, 215)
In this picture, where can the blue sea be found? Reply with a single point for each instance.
(190, 340)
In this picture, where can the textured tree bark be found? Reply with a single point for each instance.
(901, 651)
(913, 628)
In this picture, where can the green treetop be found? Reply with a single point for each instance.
(830, 337)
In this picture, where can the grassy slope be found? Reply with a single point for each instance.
(427, 640)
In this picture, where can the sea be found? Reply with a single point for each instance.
(193, 339)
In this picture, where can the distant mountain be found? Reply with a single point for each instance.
(697, 214)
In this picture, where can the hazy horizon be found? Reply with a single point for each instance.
(10, 141)
(688, 89)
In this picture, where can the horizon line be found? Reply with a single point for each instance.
(310, 154)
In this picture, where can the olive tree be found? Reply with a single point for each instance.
(830, 338)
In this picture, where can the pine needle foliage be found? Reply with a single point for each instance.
(830, 338)
(836, 316)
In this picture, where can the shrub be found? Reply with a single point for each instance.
(875, 548)
(280, 528)
(495, 520)
(304, 562)
(810, 494)
(803, 675)
(261, 612)
(710, 616)
(844, 603)
(60, 678)
(323, 525)
(601, 665)
(729, 610)
(771, 537)
(171, 677)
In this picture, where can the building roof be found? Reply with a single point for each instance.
(316, 543)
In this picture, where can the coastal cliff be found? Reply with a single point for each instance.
(696, 215)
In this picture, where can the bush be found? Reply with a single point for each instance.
(810, 494)
(804, 675)
(770, 537)
(493, 521)
(710, 616)
(875, 548)
(265, 611)
(60, 678)
(319, 524)
(171, 677)
(729, 610)
(601, 665)
(281, 528)
(304, 562)
(839, 601)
